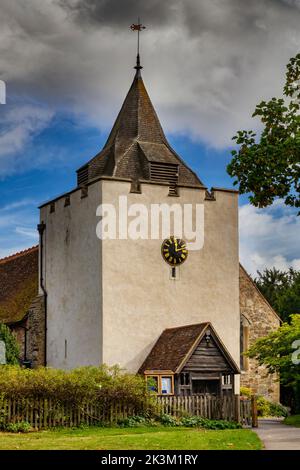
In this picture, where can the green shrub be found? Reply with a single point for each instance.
(102, 385)
(263, 406)
(169, 420)
(198, 422)
(11, 345)
(277, 409)
(136, 421)
(268, 408)
(195, 421)
(245, 392)
(23, 426)
(191, 421)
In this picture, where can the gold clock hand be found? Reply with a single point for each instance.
(181, 248)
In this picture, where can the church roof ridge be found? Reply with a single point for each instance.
(14, 256)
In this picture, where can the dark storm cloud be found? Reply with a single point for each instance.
(118, 13)
(206, 62)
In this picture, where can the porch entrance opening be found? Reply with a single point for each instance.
(200, 387)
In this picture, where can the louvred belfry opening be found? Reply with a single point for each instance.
(83, 176)
(137, 147)
(167, 173)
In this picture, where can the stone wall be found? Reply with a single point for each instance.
(19, 331)
(36, 332)
(262, 319)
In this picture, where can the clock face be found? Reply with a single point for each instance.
(174, 251)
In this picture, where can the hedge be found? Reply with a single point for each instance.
(92, 384)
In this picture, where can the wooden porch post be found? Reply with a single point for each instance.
(237, 408)
(254, 411)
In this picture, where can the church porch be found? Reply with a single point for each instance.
(190, 360)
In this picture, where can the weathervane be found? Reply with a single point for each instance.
(138, 27)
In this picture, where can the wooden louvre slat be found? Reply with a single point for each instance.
(82, 176)
(167, 173)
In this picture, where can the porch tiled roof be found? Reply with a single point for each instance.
(175, 346)
(172, 347)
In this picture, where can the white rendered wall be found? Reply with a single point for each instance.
(117, 316)
(72, 261)
(139, 298)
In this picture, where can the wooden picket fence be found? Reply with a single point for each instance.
(45, 413)
(229, 408)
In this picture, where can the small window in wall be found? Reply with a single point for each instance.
(152, 383)
(226, 380)
(160, 384)
(184, 378)
(166, 385)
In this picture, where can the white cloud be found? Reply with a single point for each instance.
(17, 226)
(17, 204)
(206, 63)
(28, 232)
(269, 237)
(18, 126)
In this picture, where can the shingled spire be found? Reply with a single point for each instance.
(137, 147)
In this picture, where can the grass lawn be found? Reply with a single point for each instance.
(293, 420)
(145, 438)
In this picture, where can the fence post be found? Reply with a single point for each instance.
(237, 408)
(254, 411)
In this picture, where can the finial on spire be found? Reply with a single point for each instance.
(138, 27)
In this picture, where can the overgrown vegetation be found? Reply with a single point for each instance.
(108, 388)
(279, 352)
(72, 386)
(11, 345)
(23, 427)
(103, 385)
(265, 407)
(172, 421)
(97, 393)
(281, 289)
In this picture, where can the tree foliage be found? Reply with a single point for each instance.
(268, 167)
(11, 345)
(280, 352)
(281, 289)
(276, 351)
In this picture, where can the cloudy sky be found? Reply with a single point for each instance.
(68, 64)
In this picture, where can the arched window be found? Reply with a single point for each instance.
(245, 327)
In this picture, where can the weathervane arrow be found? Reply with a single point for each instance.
(138, 27)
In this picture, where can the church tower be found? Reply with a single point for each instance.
(120, 300)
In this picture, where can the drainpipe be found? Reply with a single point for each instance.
(41, 228)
